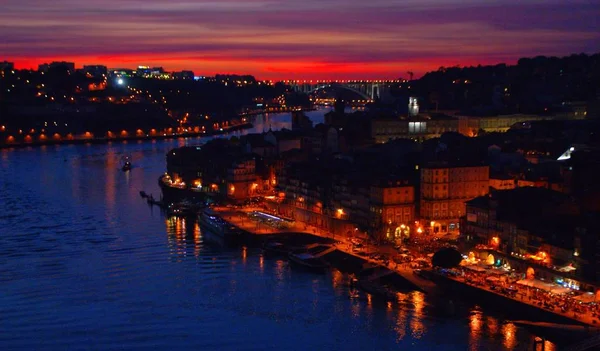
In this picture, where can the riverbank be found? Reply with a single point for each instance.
(260, 232)
(79, 141)
(285, 110)
(86, 218)
(352, 261)
(535, 309)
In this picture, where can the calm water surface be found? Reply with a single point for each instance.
(86, 264)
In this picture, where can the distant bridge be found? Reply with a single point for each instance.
(367, 89)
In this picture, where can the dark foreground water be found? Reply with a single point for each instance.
(85, 264)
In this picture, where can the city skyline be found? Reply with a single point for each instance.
(276, 39)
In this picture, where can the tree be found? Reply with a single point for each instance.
(446, 258)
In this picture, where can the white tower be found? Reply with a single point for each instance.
(413, 107)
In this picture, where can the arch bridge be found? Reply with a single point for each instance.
(368, 89)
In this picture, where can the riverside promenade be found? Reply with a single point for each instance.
(82, 139)
(240, 219)
(526, 296)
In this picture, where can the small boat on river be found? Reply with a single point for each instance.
(125, 163)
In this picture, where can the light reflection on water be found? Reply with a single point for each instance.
(509, 331)
(86, 263)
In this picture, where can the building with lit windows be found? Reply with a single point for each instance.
(535, 230)
(502, 182)
(218, 169)
(445, 188)
(413, 107)
(96, 71)
(392, 207)
(241, 178)
(417, 128)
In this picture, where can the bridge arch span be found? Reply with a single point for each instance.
(345, 87)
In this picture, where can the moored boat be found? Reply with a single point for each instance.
(216, 229)
(183, 208)
(274, 248)
(277, 248)
(125, 163)
(376, 289)
(309, 261)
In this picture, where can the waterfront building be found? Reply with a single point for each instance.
(445, 187)
(241, 178)
(344, 196)
(223, 169)
(535, 230)
(392, 207)
(303, 194)
(325, 193)
(350, 199)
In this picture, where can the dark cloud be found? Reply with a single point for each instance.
(267, 36)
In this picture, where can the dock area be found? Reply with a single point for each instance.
(526, 297)
(240, 219)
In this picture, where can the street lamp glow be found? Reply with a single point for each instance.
(120, 81)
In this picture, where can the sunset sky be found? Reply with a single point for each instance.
(295, 39)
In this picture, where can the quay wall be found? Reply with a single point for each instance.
(513, 308)
(104, 140)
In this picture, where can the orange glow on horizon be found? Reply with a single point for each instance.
(304, 69)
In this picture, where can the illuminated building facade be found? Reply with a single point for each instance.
(418, 128)
(216, 167)
(413, 107)
(392, 207)
(444, 190)
(534, 230)
(241, 178)
(501, 182)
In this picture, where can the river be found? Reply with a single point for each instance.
(85, 264)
